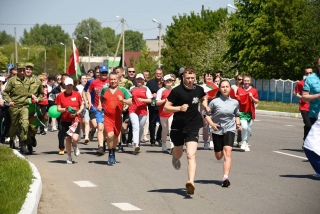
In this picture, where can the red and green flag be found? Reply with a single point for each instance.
(74, 69)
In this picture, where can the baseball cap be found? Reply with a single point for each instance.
(181, 70)
(29, 64)
(2, 79)
(103, 68)
(140, 76)
(68, 81)
(167, 77)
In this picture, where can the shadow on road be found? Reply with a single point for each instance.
(61, 161)
(152, 151)
(51, 152)
(208, 182)
(293, 150)
(99, 162)
(179, 191)
(311, 177)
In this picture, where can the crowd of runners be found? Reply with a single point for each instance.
(121, 110)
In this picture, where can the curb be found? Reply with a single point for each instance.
(278, 113)
(30, 205)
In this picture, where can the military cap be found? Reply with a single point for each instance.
(29, 64)
(21, 65)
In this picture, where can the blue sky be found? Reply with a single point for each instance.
(67, 13)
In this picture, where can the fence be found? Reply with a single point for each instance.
(275, 90)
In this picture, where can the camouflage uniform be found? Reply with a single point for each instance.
(36, 89)
(17, 91)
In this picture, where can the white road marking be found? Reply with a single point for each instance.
(85, 184)
(289, 125)
(291, 155)
(125, 206)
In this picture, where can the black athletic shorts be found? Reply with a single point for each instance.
(220, 141)
(65, 127)
(92, 115)
(178, 137)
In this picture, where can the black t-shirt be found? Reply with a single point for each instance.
(191, 120)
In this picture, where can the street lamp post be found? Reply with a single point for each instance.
(159, 45)
(65, 57)
(232, 6)
(122, 21)
(89, 40)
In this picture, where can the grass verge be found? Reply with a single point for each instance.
(15, 179)
(278, 106)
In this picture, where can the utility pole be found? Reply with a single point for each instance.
(159, 44)
(89, 40)
(122, 42)
(16, 45)
(45, 60)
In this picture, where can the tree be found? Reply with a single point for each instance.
(271, 39)
(3, 61)
(133, 40)
(5, 38)
(145, 61)
(187, 34)
(45, 35)
(211, 56)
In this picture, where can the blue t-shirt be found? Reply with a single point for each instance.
(86, 87)
(312, 85)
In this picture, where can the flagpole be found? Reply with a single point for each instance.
(75, 60)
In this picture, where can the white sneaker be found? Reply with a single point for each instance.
(247, 149)
(54, 128)
(211, 146)
(45, 129)
(243, 146)
(235, 144)
(69, 160)
(7, 140)
(76, 150)
(164, 148)
(206, 146)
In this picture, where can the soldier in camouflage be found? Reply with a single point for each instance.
(16, 94)
(36, 89)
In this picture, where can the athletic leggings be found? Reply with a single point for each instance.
(137, 126)
(246, 129)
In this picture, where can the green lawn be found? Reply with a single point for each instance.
(15, 179)
(278, 106)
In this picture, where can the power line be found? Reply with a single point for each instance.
(140, 29)
(51, 24)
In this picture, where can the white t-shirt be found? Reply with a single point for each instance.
(312, 142)
(80, 88)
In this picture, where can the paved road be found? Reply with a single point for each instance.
(262, 181)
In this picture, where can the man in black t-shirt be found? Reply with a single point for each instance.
(187, 120)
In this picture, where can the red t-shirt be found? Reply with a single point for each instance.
(44, 101)
(112, 105)
(140, 108)
(64, 100)
(303, 106)
(96, 86)
(163, 93)
(245, 103)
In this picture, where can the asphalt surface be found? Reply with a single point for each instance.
(262, 181)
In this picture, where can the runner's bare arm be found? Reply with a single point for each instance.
(169, 108)
(204, 102)
(306, 96)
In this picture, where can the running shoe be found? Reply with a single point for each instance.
(171, 151)
(190, 188)
(176, 163)
(206, 146)
(23, 148)
(243, 146)
(247, 149)
(159, 143)
(46, 129)
(100, 151)
(91, 134)
(54, 128)
(86, 141)
(76, 150)
(211, 146)
(69, 160)
(61, 152)
(136, 150)
(30, 149)
(145, 139)
(7, 140)
(164, 148)
(110, 159)
(120, 148)
(235, 144)
(225, 182)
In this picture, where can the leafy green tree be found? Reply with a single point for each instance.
(45, 35)
(5, 38)
(186, 35)
(145, 62)
(211, 56)
(3, 61)
(271, 39)
(133, 40)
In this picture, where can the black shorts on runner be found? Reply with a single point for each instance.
(178, 138)
(92, 115)
(65, 127)
(220, 141)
